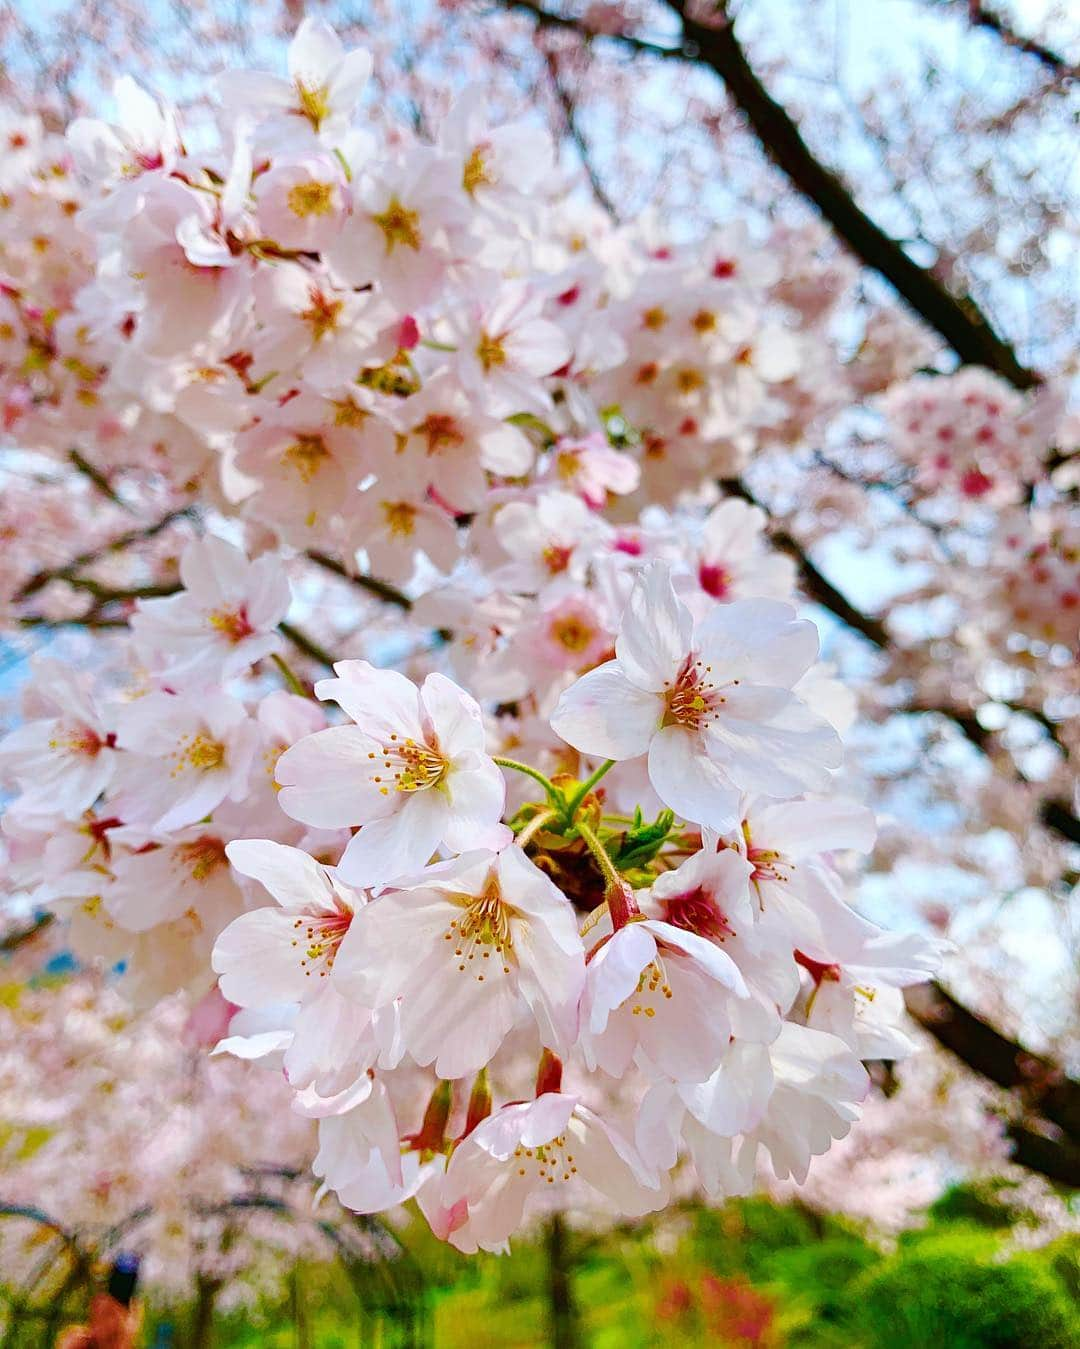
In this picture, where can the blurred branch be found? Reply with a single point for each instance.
(383, 589)
(981, 16)
(41, 578)
(569, 113)
(1041, 1084)
(1055, 814)
(957, 318)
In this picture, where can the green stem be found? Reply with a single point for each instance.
(552, 792)
(586, 787)
(599, 852)
(535, 824)
(289, 676)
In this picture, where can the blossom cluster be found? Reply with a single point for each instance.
(562, 908)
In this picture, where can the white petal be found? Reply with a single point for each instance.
(654, 637)
(691, 783)
(604, 714)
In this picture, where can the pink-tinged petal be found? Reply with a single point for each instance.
(289, 875)
(711, 959)
(614, 971)
(213, 569)
(612, 1167)
(475, 793)
(691, 783)
(790, 753)
(530, 1124)
(386, 849)
(332, 1041)
(326, 780)
(382, 702)
(604, 714)
(314, 52)
(386, 941)
(257, 962)
(735, 1097)
(690, 1030)
(655, 634)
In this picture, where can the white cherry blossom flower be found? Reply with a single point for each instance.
(412, 772)
(536, 1152)
(319, 97)
(470, 947)
(183, 757)
(712, 708)
(288, 954)
(61, 762)
(658, 995)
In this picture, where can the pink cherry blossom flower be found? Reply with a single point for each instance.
(529, 1154)
(289, 954)
(222, 622)
(62, 762)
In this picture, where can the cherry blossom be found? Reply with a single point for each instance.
(411, 770)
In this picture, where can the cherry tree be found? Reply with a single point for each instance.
(545, 896)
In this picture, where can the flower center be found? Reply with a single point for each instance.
(321, 315)
(490, 351)
(556, 558)
(197, 751)
(484, 932)
(697, 911)
(476, 173)
(202, 857)
(694, 698)
(399, 226)
(572, 632)
(400, 517)
(714, 580)
(317, 939)
(652, 980)
(441, 431)
(411, 767)
(78, 740)
(306, 455)
(311, 198)
(314, 102)
(233, 624)
(551, 1161)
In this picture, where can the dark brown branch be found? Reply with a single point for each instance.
(569, 113)
(14, 940)
(1055, 814)
(957, 318)
(383, 589)
(981, 17)
(1041, 1084)
(41, 578)
(306, 644)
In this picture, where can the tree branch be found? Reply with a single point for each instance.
(383, 589)
(41, 578)
(957, 318)
(1042, 1085)
(980, 16)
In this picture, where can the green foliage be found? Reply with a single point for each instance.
(752, 1273)
(948, 1289)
